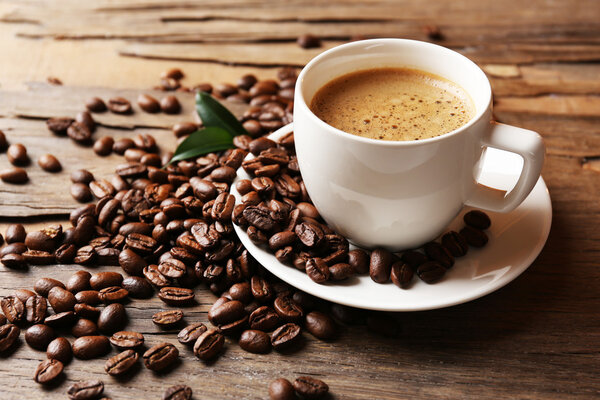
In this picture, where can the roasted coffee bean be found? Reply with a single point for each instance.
(254, 341)
(15, 261)
(86, 390)
(258, 145)
(9, 334)
(38, 336)
(191, 333)
(401, 274)
(13, 248)
(264, 87)
(285, 336)
(455, 243)
(119, 105)
(61, 299)
(288, 309)
(23, 295)
(17, 154)
(145, 142)
(49, 163)
(148, 103)
(65, 254)
(226, 313)
(167, 318)
(281, 389)
(131, 262)
(170, 105)
(153, 275)
(263, 185)
(253, 128)
(264, 318)
(90, 297)
(16, 175)
(104, 146)
(160, 356)
(13, 308)
(60, 349)
(209, 344)
(82, 176)
(85, 255)
(259, 217)
(83, 310)
(113, 294)
(140, 243)
(340, 271)
(282, 239)
(172, 268)
(173, 73)
(261, 289)
(223, 207)
(112, 318)
(121, 363)
(38, 240)
(102, 188)
(138, 288)
(475, 237)
(122, 145)
(309, 234)
(127, 339)
(80, 133)
(59, 126)
(184, 129)
(60, 320)
(310, 388)
(380, 265)
(135, 227)
(477, 219)
(175, 296)
(84, 327)
(15, 233)
(86, 118)
(320, 325)
(414, 258)
(47, 371)
(437, 252)
(317, 270)
(38, 257)
(242, 292)
(431, 271)
(35, 309)
(178, 392)
(95, 104)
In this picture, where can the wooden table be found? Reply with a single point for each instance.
(539, 337)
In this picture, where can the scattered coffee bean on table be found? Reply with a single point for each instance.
(16, 175)
(282, 389)
(86, 390)
(49, 163)
(178, 392)
(17, 154)
(48, 371)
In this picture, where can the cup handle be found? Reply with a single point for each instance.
(527, 144)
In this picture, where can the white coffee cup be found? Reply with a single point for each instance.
(401, 194)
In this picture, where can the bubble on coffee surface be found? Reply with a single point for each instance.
(393, 104)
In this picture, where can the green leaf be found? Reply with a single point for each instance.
(201, 142)
(212, 113)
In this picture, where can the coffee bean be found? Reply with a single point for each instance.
(47, 371)
(191, 333)
(281, 389)
(184, 129)
(112, 318)
(121, 363)
(104, 146)
(253, 128)
(255, 341)
(178, 392)
(122, 145)
(477, 219)
(431, 271)
(259, 218)
(3, 142)
(60, 320)
(80, 133)
(113, 294)
(309, 234)
(86, 118)
(84, 327)
(49, 163)
(148, 103)
(172, 268)
(79, 281)
(160, 356)
(175, 296)
(13, 308)
(35, 309)
(136, 227)
(105, 279)
(95, 104)
(209, 345)
(437, 252)
(380, 265)
(38, 240)
(17, 154)
(138, 288)
(170, 105)
(14, 261)
(264, 318)
(401, 274)
(127, 339)
(83, 310)
(264, 87)
(140, 243)
(340, 271)
(153, 275)
(59, 126)
(285, 336)
(261, 289)
(38, 257)
(60, 349)
(15, 233)
(9, 334)
(308, 41)
(455, 243)
(101, 188)
(173, 73)
(90, 297)
(85, 390)
(38, 336)
(414, 258)
(119, 105)
(88, 347)
(167, 318)
(14, 175)
(310, 388)
(475, 237)
(131, 262)
(288, 309)
(320, 325)
(61, 300)
(317, 270)
(13, 248)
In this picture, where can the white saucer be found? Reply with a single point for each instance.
(516, 239)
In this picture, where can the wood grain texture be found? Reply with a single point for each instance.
(537, 338)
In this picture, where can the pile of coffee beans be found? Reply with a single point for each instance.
(170, 230)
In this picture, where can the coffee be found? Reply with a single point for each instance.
(397, 104)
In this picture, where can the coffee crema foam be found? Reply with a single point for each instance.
(398, 104)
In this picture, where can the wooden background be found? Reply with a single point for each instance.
(537, 338)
